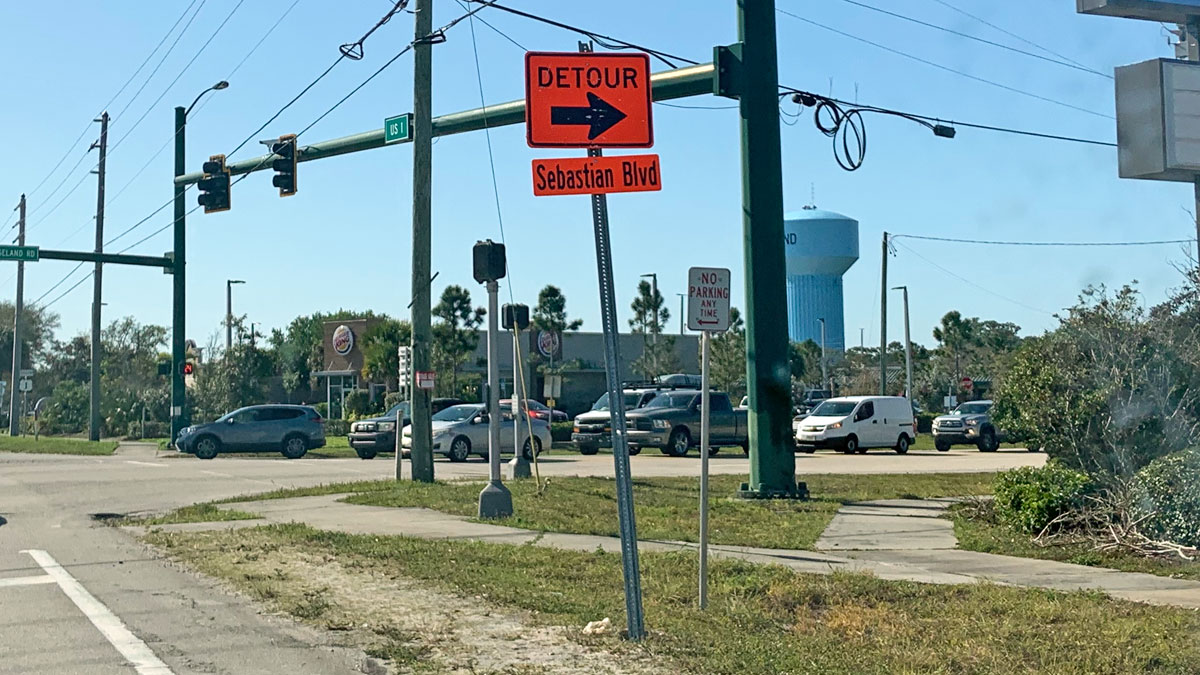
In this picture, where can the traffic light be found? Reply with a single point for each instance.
(285, 166)
(214, 186)
(489, 261)
(514, 316)
(189, 368)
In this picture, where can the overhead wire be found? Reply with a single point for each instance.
(991, 242)
(1007, 32)
(972, 283)
(955, 71)
(968, 36)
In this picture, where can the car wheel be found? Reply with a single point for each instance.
(634, 449)
(588, 449)
(850, 445)
(678, 444)
(207, 447)
(294, 447)
(810, 449)
(902, 445)
(988, 441)
(746, 449)
(942, 446)
(365, 454)
(460, 449)
(712, 452)
(537, 445)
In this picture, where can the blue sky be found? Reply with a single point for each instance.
(344, 240)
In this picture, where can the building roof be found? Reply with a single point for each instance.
(815, 214)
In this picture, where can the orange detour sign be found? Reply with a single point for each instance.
(596, 175)
(582, 100)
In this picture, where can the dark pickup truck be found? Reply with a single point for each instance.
(671, 423)
(372, 436)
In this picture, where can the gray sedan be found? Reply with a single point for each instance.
(462, 430)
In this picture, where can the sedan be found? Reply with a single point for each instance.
(462, 430)
(538, 410)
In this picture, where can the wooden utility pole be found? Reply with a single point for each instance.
(14, 409)
(97, 285)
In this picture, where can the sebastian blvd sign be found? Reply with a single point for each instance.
(581, 100)
(596, 175)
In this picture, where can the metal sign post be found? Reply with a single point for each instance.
(404, 359)
(708, 312)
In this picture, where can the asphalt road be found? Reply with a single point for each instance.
(79, 597)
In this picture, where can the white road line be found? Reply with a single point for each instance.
(27, 581)
(153, 464)
(226, 475)
(131, 647)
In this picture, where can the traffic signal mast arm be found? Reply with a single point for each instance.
(665, 86)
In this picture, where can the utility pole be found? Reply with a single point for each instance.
(883, 319)
(756, 86)
(179, 412)
(97, 282)
(654, 327)
(14, 410)
(862, 338)
(908, 356)
(422, 429)
(824, 374)
(681, 311)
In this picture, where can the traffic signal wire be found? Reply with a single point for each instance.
(948, 69)
(499, 32)
(988, 242)
(968, 36)
(972, 283)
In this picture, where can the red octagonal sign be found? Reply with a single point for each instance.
(581, 100)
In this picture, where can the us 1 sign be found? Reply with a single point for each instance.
(587, 100)
(708, 299)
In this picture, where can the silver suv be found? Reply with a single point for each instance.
(969, 424)
(290, 429)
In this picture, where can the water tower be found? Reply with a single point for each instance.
(820, 246)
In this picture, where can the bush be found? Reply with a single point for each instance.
(322, 409)
(1028, 499)
(337, 427)
(357, 404)
(392, 399)
(925, 422)
(561, 431)
(1165, 498)
(154, 429)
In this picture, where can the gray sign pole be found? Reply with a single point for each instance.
(608, 317)
(705, 409)
(495, 501)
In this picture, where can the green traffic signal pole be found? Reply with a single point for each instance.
(179, 409)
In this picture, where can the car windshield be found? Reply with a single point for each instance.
(672, 400)
(456, 413)
(631, 401)
(972, 409)
(834, 409)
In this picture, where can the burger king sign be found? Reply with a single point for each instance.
(343, 340)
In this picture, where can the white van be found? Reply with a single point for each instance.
(856, 423)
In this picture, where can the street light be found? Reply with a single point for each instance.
(824, 376)
(216, 87)
(681, 312)
(908, 365)
(229, 314)
(180, 416)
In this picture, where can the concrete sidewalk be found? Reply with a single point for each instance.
(891, 539)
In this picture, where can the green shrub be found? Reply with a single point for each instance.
(925, 422)
(1165, 498)
(561, 431)
(357, 404)
(392, 399)
(1028, 499)
(322, 409)
(337, 427)
(154, 429)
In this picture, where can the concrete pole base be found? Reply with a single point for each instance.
(518, 467)
(495, 501)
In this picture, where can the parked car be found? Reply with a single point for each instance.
(671, 423)
(462, 430)
(290, 429)
(538, 410)
(969, 424)
(854, 424)
(592, 429)
(369, 437)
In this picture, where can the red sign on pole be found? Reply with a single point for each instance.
(967, 383)
(581, 100)
(596, 175)
(425, 379)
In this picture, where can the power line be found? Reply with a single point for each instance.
(77, 284)
(501, 33)
(180, 74)
(1044, 243)
(972, 283)
(1009, 33)
(968, 36)
(60, 283)
(948, 69)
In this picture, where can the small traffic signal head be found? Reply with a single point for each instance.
(285, 165)
(489, 261)
(214, 186)
(189, 368)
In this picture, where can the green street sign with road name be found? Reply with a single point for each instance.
(19, 253)
(398, 128)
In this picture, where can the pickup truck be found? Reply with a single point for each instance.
(671, 423)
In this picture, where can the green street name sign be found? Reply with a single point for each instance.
(397, 129)
(20, 253)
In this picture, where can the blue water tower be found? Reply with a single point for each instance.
(820, 246)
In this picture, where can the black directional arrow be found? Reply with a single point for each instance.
(599, 114)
